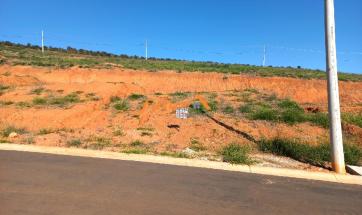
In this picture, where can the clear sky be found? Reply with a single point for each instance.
(232, 31)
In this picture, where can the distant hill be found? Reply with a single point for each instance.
(19, 54)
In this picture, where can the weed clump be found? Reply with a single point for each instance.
(237, 154)
(74, 143)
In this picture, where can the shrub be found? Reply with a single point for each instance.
(237, 154)
(174, 154)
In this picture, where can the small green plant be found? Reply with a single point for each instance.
(6, 103)
(135, 96)
(246, 108)
(74, 143)
(100, 143)
(237, 154)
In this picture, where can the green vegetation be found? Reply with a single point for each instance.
(59, 101)
(237, 154)
(74, 143)
(17, 54)
(6, 103)
(119, 104)
(134, 96)
(355, 119)
(3, 89)
(315, 155)
(196, 145)
(10, 129)
(137, 147)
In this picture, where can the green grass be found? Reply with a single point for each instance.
(237, 154)
(314, 155)
(136, 143)
(10, 129)
(59, 101)
(355, 119)
(119, 104)
(17, 54)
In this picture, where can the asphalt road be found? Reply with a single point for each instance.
(36, 184)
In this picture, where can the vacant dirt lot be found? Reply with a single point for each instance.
(35, 101)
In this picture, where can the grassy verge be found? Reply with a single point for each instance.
(315, 155)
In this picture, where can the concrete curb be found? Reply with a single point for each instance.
(301, 174)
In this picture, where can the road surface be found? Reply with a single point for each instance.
(37, 184)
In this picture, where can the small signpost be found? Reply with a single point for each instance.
(182, 113)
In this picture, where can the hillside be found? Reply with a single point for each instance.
(18, 54)
(96, 101)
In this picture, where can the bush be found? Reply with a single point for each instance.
(196, 145)
(237, 154)
(353, 119)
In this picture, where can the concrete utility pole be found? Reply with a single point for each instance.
(264, 56)
(146, 50)
(333, 92)
(42, 41)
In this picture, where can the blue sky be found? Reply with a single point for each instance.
(231, 31)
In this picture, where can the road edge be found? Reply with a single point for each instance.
(282, 172)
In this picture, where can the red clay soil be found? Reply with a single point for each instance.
(91, 119)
